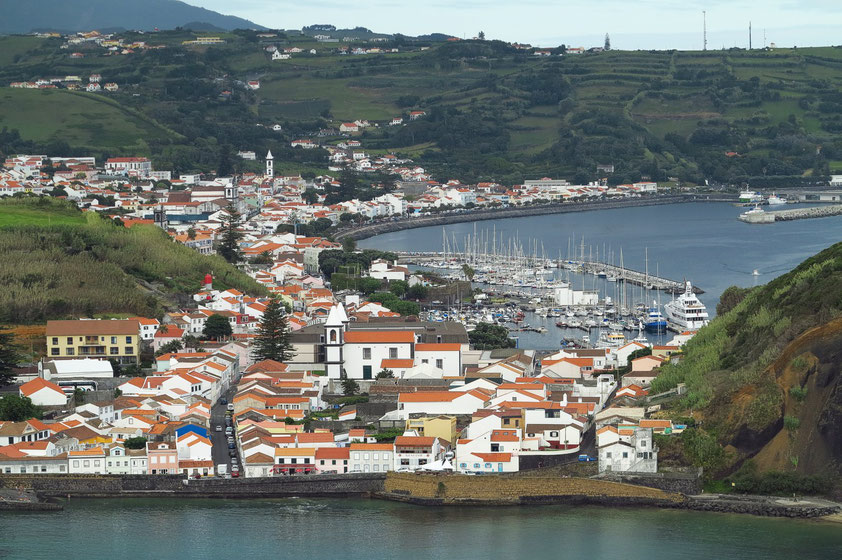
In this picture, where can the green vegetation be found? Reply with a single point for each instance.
(350, 387)
(749, 481)
(14, 408)
(216, 327)
(492, 111)
(489, 337)
(75, 269)
(9, 357)
(135, 443)
(272, 341)
(395, 304)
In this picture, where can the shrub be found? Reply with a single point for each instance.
(798, 393)
(791, 423)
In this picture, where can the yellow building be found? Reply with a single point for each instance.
(442, 427)
(114, 340)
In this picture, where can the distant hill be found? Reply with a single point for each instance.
(85, 15)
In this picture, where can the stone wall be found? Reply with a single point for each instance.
(683, 483)
(513, 489)
(116, 485)
(765, 506)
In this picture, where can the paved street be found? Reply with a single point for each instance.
(218, 439)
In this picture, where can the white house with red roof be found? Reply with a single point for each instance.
(43, 393)
(446, 357)
(450, 403)
(413, 452)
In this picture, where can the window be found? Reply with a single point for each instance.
(23, 470)
(333, 462)
(114, 350)
(476, 465)
(404, 462)
(440, 364)
(365, 456)
(553, 434)
(293, 460)
(54, 351)
(488, 465)
(643, 443)
(76, 463)
(60, 468)
(608, 455)
(422, 461)
(625, 454)
(323, 462)
(425, 361)
(281, 461)
(128, 349)
(374, 456)
(113, 340)
(463, 465)
(70, 340)
(495, 447)
(70, 351)
(128, 340)
(366, 353)
(376, 468)
(438, 338)
(366, 468)
(86, 463)
(55, 341)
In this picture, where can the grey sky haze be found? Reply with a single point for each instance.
(637, 24)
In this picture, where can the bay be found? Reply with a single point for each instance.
(701, 242)
(356, 528)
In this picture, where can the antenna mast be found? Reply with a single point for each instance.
(704, 30)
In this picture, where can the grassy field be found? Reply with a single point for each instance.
(78, 119)
(12, 215)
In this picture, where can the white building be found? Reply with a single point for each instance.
(86, 461)
(43, 393)
(633, 451)
(372, 457)
(413, 452)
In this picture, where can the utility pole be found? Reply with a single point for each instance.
(704, 30)
(749, 35)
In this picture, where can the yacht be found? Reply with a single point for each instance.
(655, 320)
(686, 311)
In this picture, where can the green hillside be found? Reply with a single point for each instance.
(493, 112)
(81, 120)
(763, 378)
(67, 264)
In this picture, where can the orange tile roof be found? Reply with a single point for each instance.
(333, 453)
(414, 441)
(441, 347)
(372, 447)
(380, 337)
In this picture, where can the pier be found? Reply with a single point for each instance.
(435, 259)
(788, 215)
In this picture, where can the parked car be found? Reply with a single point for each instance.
(231, 445)
(586, 458)
(231, 407)
(218, 428)
(223, 400)
(234, 474)
(229, 430)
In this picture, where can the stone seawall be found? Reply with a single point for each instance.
(688, 484)
(764, 506)
(364, 232)
(177, 485)
(507, 490)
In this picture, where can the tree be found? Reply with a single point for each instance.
(607, 42)
(135, 443)
(398, 287)
(468, 271)
(489, 337)
(481, 36)
(229, 248)
(14, 408)
(385, 374)
(310, 196)
(224, 167)
(169, 347)
(368, 285)
(417, 292)
(350, 387)
(78, 396)
(349, 244)
(216, 327)
(190, 341)
(191, 233)
(272, 341)
(9, 357)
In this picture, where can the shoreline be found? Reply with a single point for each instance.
(373, 230)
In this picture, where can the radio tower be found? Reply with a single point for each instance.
(704, 30)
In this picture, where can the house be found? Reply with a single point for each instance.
(445, 357)
(384, 270)
(333, 460)
(441, 402)
(43, 393)
(365, 350)
(627, 453)
(415, 452)
(253, 84)
(349, 127)
(442, 427)
(372, 457)
(112, 339)
(135, 166)
(87, 461)
(27, 430)
(162, 457)
(292, 460)
(415, 115)
(485, 463)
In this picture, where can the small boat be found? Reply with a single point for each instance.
(775, 200)
(655, 320)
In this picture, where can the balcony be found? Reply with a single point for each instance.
(92, 350)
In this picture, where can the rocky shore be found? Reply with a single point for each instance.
(765, 506)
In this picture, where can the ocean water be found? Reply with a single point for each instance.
(356, 528)
(701, 242)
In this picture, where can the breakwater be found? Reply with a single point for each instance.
(411, 222)
(789, 215)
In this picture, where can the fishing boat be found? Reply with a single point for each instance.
(775, 200)
(686, 311)
(655, 321)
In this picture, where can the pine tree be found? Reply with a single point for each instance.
(272, 341)
(607, 42)
(229, 248)
(9, 357)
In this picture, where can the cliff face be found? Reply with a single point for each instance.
(764, 377)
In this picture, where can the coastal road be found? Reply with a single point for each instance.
(219, 442)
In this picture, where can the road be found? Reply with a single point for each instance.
(219, 442)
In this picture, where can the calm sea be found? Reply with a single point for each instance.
(373, 530)
(700, 242)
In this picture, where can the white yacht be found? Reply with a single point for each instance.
(775, 200)
(686, 311)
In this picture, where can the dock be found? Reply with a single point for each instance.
(768, 217)
(434, 259)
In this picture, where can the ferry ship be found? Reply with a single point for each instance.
(750, 197)
(686, 311)
(654, 320)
